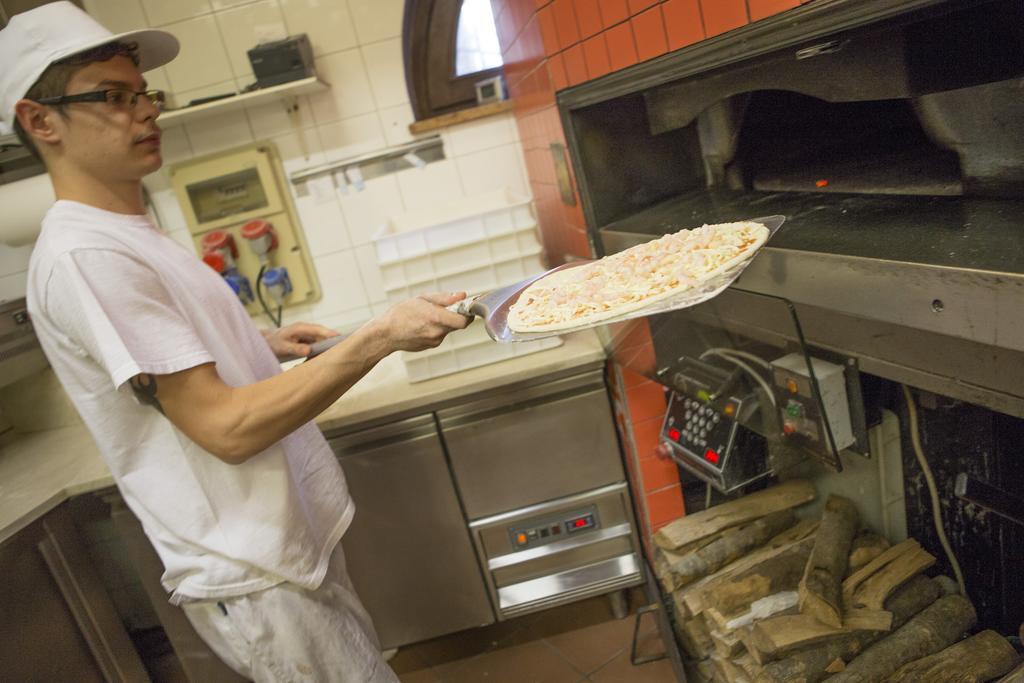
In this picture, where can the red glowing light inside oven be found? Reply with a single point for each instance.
(674, 434)
(711, 456)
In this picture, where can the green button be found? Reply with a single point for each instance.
(794, 409)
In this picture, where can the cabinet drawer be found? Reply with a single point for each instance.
(533, 446)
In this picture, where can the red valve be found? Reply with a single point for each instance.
(219, 240)
(214, 260)
(261, 236)
(256, 229)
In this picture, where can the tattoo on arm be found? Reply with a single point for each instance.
(144, 387)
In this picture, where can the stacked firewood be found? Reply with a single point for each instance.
(760, 596)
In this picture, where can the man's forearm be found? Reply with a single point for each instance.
(236, 423)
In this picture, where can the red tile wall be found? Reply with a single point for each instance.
(549, 45)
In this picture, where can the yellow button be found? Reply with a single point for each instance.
(703, 395)
(791, 385)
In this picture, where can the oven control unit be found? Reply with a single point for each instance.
(803, 422)
(705, 439)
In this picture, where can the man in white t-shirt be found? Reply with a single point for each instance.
(211, 445)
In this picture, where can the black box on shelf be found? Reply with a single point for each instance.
(281, 61)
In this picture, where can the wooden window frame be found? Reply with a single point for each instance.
(429, 33)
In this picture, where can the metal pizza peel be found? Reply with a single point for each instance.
(493, 307)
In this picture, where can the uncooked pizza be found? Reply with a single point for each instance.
(634, 278)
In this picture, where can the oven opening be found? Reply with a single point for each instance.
(790, 142)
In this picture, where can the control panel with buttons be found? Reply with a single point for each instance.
(705, 438)
(546, 530)
(802, 419)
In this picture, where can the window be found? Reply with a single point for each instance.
(449, 46)
(476, 41)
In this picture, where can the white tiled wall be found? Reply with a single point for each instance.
(357, 44)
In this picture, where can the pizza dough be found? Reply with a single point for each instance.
(634, 278)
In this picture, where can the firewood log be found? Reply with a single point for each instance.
(811, 664)
(1015, 676)
(800, 534)
(979, 658)
(776, 574)
(692, 528)
(938, 626)
(866, 547)
(678, 571)
(872, 584)
(821, 587)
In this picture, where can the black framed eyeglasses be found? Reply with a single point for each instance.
(121, 98)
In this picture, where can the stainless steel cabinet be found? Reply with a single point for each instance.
(540, 474)
(528, 446)
(408, 550)
(57, 622)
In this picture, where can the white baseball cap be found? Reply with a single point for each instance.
(35, 39)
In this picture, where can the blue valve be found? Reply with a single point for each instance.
(278, 283)
(239, 284)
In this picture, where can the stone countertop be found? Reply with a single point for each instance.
(40, 470)
(386, 393)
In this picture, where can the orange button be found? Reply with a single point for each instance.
(521, 539)
(791, 385)
(789, 428)
(730, 409)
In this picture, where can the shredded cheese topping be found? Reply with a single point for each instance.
(674, 262)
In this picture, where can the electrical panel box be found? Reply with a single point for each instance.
(801, 418)
(243, 223)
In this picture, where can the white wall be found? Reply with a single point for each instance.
(357, 44)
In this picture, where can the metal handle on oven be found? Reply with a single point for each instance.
(826, 48)
(590, 538)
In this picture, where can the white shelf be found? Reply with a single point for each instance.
(177, 117)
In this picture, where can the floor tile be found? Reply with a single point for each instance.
(621, 669)
(590, 648)
(567, 618)
(543, 646)
(424, 676)
(533, 662)
(409, 660)
(463, 645)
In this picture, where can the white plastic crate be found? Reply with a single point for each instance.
(483, 277)
(479, 244)
(469, 348)
(472, 220)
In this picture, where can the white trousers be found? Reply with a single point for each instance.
(286, 633)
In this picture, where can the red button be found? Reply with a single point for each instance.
(674, 434)
(711, 456)
(789, 428)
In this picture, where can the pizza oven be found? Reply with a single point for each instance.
(890, 133)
